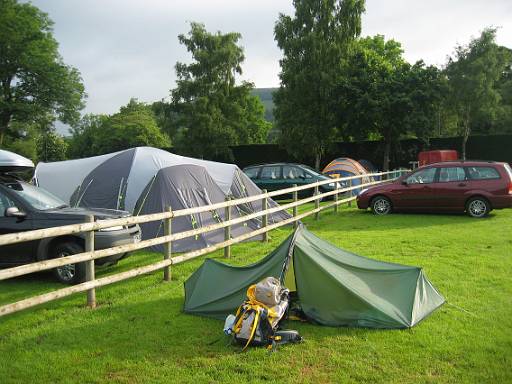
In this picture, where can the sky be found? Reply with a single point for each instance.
(128, 48)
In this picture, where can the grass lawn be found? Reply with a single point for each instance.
(138, 333)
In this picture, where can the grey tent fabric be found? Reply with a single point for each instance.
(181, 187)
(333, 287)
(119, 181)
(244, 187)
(106, 185)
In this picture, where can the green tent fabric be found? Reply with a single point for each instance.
(334, 287)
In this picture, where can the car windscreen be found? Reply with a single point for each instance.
(37, 197)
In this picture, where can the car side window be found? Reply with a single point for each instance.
(483, 173)
(425, 176)
(290, 172)
(5, 203)
(271, 173)
(451, 174)
(252, 173)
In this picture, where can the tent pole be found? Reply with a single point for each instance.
(264, 219)
(89, 265)
(167, 245)
(295, 199)
(227, 230)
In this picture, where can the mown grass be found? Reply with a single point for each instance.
(138, 333)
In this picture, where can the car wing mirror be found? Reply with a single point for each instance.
(404, 182)
(14, 212)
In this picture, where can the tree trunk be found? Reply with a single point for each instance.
(387, 150)
(317, 160)
(467, 131)
(5, 119)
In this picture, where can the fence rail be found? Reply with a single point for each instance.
(89, 227)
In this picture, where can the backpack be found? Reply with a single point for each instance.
(257, 319)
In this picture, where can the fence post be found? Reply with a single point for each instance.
(264, 219)
(295, 199)
(350, 192)
(336, 197)
(89, 265)
(227, 230)
(167, 245)
(317, 203)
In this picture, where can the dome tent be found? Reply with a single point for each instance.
(368, 165)
(333, 287)
(346, 167)
(117, 180)
(181, 187)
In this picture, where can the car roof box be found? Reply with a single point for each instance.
(12, 162)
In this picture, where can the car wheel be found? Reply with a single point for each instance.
(478, 207)
(381, 205)
(69, 273)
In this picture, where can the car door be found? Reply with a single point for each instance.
(416, 190)
(451, 187)
(19, 253)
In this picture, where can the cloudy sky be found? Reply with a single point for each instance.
(128, 48)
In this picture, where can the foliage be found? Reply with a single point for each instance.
(314, 43)
(473, 75)
(212, 111)
(383, 94)
(34, 81)
(22, 140)
(134, 125)
(51, 147)
(139, 333)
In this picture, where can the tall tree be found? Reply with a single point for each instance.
(473, 74)
(384, 96)
(212, 111)
(134, 125)
(314, 42)
(34, 81)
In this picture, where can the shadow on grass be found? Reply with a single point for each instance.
(158, 330)
(365, 220)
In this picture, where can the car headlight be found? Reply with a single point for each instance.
(362, 191)
(115, 228)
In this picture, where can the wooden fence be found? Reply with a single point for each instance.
(90, 254)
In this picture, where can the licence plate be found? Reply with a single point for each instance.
(137, 238)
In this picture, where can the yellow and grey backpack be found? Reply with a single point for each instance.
(257, 320)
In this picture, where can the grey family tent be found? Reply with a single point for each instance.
(333, 287)
(185, 186)
(136, 179)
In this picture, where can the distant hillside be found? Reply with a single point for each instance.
(265, 95)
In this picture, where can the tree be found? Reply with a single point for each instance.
(315, 41)
(384, 96)
(34, 81)
(473, 77)
(51, 147)
(134, 125)
(212, 111)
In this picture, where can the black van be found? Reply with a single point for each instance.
(25, 207)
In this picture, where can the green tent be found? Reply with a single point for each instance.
(334, 287)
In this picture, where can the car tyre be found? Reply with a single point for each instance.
(478, 207)
(70, 273)
(381, 205)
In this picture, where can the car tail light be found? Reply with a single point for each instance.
(510, 188)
